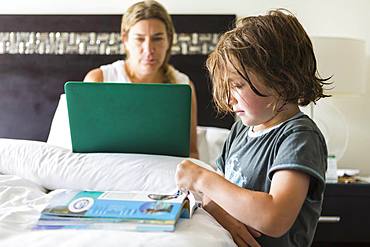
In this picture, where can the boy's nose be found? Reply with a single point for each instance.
(232, 100)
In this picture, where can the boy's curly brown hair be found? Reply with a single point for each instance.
(276, 48)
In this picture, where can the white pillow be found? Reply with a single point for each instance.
(214, 139)
(202, 144)
(54, 167)
(59, 134)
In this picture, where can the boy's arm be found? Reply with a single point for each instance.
(270, 213)
(241, 234)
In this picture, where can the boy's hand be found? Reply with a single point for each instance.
(241, 234)
(188, 175)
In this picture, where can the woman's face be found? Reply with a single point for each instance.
(146, 44)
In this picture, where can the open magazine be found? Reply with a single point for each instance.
(114, 210)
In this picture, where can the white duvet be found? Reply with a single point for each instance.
(29, 169)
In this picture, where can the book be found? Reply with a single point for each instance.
(114, 210)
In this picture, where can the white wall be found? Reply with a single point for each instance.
(342, 18)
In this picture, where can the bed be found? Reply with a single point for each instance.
(33, 171)
(38, 53)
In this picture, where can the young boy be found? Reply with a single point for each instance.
(271, 174)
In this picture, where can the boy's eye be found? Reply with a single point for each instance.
(238, 85)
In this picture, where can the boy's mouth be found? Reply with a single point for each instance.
(238, 112)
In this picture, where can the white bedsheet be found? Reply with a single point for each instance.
(22, 200)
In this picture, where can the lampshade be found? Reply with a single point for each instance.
(345, 60)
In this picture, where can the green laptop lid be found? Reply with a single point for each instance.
(129, 117)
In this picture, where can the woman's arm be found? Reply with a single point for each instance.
(270, 213)
(95, 75)
(194, 122)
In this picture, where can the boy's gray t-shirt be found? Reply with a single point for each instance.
(250, 160)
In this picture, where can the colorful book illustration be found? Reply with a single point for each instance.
(137, 211)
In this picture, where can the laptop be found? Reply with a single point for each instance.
(143, 118)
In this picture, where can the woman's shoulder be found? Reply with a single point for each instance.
(94, 75)
(180, 77)
(114, 72)
(116, 64)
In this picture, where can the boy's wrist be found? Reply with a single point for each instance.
(200, 181)
(205, 176)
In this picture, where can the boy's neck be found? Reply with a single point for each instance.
(289, 111)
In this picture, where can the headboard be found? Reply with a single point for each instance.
(39, 53)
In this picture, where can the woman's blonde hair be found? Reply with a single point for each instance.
(151, 10)
(277, 49)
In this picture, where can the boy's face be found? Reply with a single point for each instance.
(253, 110)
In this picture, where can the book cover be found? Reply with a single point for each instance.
(137, 211)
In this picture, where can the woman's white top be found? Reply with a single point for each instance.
(115, 72)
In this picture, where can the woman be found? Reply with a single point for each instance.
(147, 34)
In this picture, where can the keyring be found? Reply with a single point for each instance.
(159, 197)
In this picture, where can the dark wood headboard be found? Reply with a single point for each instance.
(35, 63)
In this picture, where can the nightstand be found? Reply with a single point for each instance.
(345, 217)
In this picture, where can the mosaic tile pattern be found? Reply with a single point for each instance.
(92, 43)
